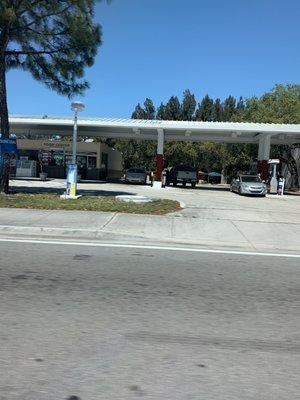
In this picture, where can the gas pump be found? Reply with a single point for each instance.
(281, 183)
(164, 178)
(273, 179)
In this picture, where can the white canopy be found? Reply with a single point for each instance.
(228, 132)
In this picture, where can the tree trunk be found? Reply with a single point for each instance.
(4, 125)
(4, 122)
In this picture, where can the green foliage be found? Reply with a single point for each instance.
(161, 112)
(172, 111)
(138, 113)
(148, 112)
(137, 153)
(281, 105)
(217, 111)
(149, 109)
(188, 106)
(229, 108)
(205, 109)
(53, 40)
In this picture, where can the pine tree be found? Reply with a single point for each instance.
(53, 40)
(229, 108)
(139, 113)
(205, 109)
(149, 109)
(161, 112)
(240, 106)
(217, 111)
(173, 109)
(188, 106)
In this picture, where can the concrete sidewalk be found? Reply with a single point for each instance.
(218, 229)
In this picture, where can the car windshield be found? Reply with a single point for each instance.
(136, 171)
(250, 178)
(185, 168)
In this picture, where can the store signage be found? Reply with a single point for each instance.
(57, 145)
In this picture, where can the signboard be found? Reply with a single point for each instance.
(71, 180)
(52, 145)
(8, 157)
(274, 161)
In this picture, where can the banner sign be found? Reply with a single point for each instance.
(71, 180)
(8, 156)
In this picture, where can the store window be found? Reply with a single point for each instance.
(92, 162)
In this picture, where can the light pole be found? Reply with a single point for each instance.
(76, 106)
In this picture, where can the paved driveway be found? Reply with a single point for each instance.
(205, 201)
(211, 217)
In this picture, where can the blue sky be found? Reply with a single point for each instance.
(159, 48)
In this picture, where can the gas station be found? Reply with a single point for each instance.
(262, 134)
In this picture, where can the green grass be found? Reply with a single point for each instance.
(85, 203)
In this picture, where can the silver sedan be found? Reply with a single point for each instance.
(136, 175)
(248, 184)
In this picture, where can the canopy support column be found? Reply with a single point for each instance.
(264, 147)
(160, 154)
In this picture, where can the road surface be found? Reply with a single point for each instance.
(124, 323)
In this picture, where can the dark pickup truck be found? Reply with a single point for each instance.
(182, 174)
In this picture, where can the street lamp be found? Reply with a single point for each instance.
(76, 106)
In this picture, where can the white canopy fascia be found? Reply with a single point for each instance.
(231, 132)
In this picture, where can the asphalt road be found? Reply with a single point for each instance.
(105, 323)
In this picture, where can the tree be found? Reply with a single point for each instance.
(138, 113)
(161, 111)
(240, 105)
(205, 109)
(217, 111)
(149, 109)
(188, 106)
(53, 40)
(229, 108)
(282, 106)
(139, 152)
(172, 110)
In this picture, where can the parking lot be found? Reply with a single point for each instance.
(205, 200)
(209, 216)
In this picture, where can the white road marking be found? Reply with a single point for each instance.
(148, 247)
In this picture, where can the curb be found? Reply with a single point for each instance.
(89, 236)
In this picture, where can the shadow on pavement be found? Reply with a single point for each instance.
(203, 187)
(87, 192)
